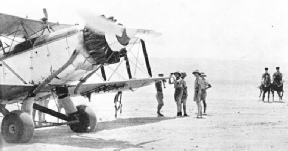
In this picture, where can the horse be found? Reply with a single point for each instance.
(265, 87)
(277, 86)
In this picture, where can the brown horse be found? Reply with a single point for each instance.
(265, 87)
(277, 86)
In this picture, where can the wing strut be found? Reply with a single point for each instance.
(128, 66)
(103, 73)
(146, 57)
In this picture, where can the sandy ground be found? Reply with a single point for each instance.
(236, 120)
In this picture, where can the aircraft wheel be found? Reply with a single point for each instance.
(17, 127)
(87, 119)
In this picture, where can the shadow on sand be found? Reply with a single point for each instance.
(62, 135)
(278, 102)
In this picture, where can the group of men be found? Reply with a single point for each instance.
(181, 92)
(200, 93)
(276, 76)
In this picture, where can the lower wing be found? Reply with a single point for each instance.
(108, 87)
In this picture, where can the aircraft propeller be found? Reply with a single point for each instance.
(45, 19)
(100, 23)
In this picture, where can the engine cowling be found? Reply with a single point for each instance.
(97, 46)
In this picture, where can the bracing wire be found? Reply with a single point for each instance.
(121, 62)
(137, 59)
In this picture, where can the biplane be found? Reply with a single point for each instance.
(44, 58)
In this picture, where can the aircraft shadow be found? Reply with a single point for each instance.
(62, 135)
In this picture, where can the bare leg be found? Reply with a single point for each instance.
(179, 108)
(45, 104)
(33, 116)
(199, 109)
(40, 114)
(184, 109)
(205, 106)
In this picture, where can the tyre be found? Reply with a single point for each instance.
(17, 127)
(87, 119)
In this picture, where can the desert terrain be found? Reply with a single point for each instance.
(236, 117)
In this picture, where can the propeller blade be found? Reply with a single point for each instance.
(142, 33)
(100, 23)
(45, 13)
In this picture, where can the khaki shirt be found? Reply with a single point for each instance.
(204, 84)
(184, 87)
(178, 83)
(198, 84)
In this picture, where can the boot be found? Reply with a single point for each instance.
(159, 114)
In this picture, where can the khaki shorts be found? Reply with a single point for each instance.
(196, 97)
(184, 98)
(159, 97)
(178, 94)
(203, 95)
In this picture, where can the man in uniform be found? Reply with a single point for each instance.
(277, 75)
(264, 75)
(205, 85)
(197, 92)
(159, 96)
(185, 94)
(178, 85)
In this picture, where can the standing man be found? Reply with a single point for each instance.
(205, 86)
(197, 92)
(178, 85)
(264, 76)
(185, 93)
(159, 95)
(277, 76)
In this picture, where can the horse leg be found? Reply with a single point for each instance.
(263, 96)
(272, 96)
(260, 93)
(279, 94)
(268, 95)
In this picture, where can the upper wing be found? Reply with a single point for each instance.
(13, 25)
(107, 87)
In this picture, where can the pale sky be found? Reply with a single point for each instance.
(254, 30)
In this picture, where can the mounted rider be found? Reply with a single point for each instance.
(277, 76)
(264, 76)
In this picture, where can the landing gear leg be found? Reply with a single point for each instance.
(85, 115)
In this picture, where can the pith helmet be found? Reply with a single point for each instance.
(196, 71)
(183, 74)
